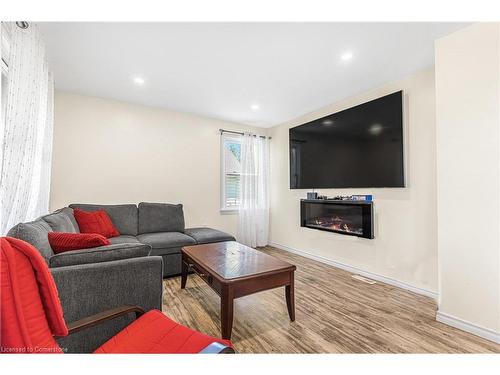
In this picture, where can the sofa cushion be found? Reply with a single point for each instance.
(36, 233)
(62, 220)
(165, 240)
(95, 222)
(208, 235)
(123, 239)
(160, 217)
(123, 216)
(100, 254)
(62, 242)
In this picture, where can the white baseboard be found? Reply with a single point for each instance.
(463, 325)
(370, 275)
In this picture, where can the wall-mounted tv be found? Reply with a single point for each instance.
(360, 147)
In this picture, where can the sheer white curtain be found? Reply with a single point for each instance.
(26, 137)
(253, 222)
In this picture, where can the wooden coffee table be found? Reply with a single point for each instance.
(234, 270)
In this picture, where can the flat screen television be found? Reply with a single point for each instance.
(360, 147)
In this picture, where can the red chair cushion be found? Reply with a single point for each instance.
(95, 222)
(155, 333)
(61, 242)
(30, 309)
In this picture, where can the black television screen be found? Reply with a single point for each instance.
(360, 147)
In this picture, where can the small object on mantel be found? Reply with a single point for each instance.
(365, 197)
(342, 198)
(312, 195)
(364, 279)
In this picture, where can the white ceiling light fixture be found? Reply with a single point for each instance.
(139, 81)
(346, 56)
(327, 122)
(255, 107)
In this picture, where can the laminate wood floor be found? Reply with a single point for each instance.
(334, 314)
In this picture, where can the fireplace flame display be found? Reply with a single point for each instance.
(335, 223)
(351, 218)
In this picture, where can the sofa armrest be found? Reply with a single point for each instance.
(89, 289)
(100, 254)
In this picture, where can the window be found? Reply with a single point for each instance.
(231, 171)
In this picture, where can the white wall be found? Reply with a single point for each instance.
(468, 144)
(405, 244)
(107, 151)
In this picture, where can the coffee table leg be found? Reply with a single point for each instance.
(226, 313)
(184, 274)
(290, 298)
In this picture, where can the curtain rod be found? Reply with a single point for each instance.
(241, 133)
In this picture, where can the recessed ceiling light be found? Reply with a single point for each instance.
(346, 56)
(255, 107)
(328, 122)
(139, 81)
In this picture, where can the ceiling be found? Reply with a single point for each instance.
(227, 70)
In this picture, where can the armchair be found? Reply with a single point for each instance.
(88, 289)
(37, 302)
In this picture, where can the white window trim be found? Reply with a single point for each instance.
(223, 208)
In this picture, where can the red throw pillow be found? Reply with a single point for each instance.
(61, 242)
(95, 222)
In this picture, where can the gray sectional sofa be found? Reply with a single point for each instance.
(145, 229)
(158, 225)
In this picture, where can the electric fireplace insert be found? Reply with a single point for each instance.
(352, 218)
